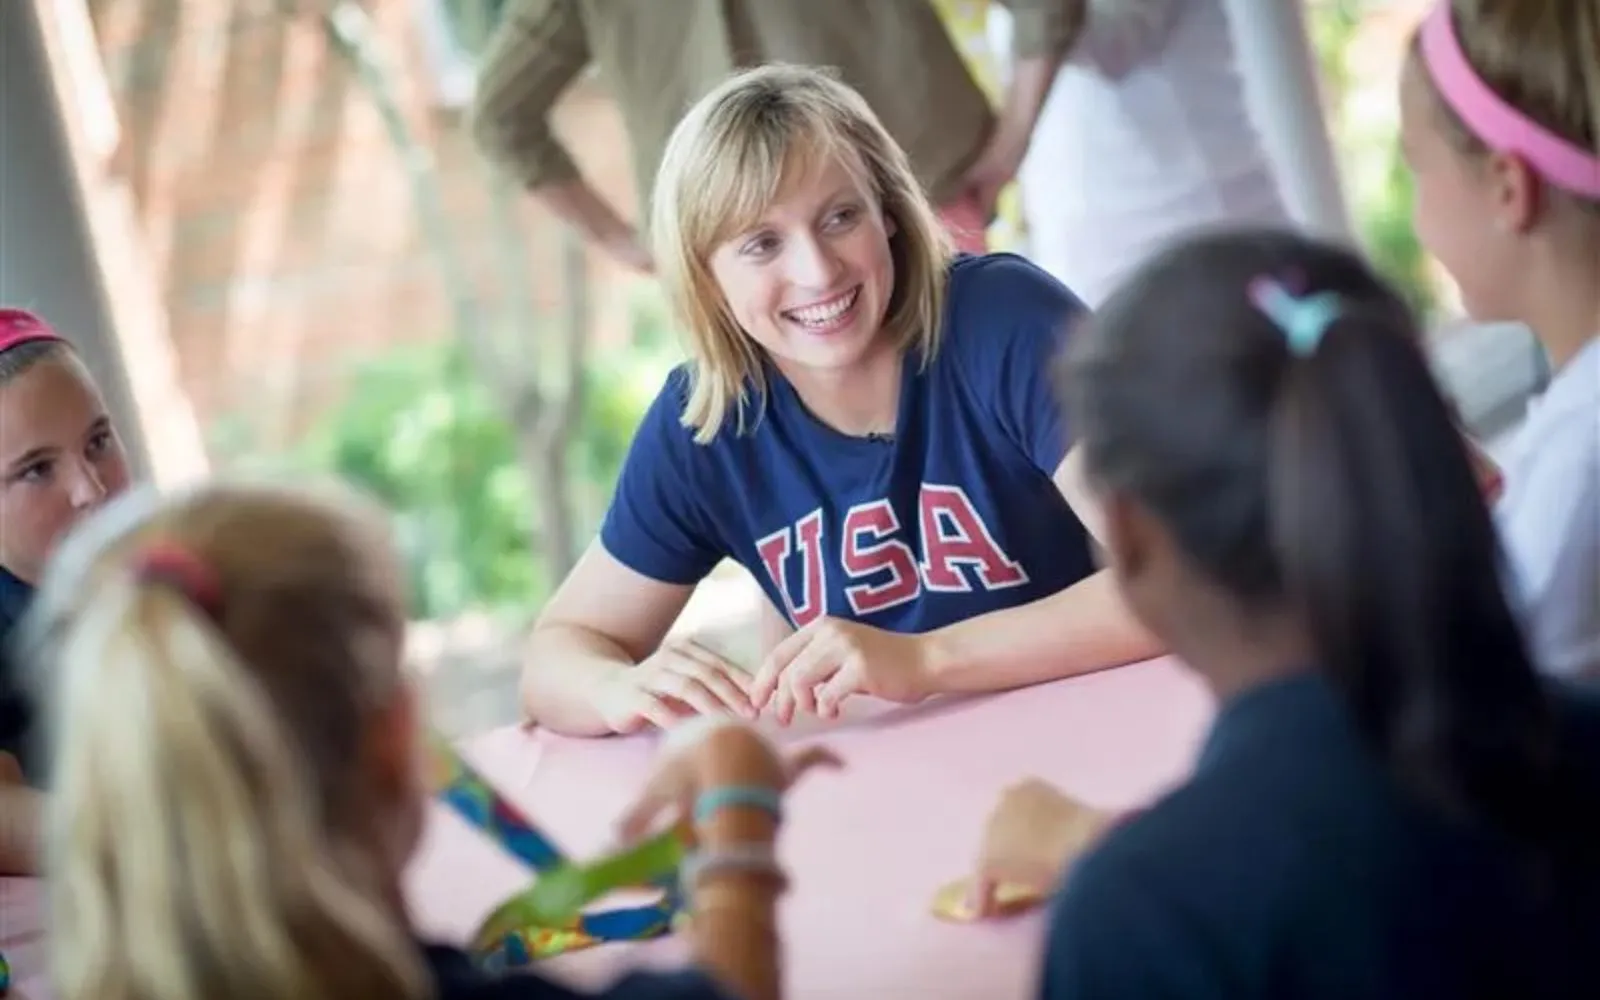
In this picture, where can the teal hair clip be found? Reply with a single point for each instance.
(1302, 320)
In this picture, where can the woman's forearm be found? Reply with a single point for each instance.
(564, 676)
(21, 822)
(1084, 628)
(1031, 79)
(582, 207)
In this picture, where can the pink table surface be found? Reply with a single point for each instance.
(22, 935)
(866, 847)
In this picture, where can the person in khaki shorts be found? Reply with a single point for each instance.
(658, 58)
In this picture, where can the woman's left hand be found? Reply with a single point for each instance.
(816, 668)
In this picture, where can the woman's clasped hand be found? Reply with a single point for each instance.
(812, 672)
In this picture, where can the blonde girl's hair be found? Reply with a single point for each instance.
(209, 835)
(723, 167)
(1542, 58)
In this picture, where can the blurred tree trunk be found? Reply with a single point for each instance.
(546, 444)
(544, 437)
(542, 411)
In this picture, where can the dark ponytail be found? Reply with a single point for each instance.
(1320, 475)
(1388, 550)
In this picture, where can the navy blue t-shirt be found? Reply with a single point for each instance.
(459, 979)
(16, 709)
(955, 516)
(1291, 865)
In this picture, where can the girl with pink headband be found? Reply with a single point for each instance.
(60, 457)
(1500, 122)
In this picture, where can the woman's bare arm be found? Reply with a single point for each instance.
(604, 618)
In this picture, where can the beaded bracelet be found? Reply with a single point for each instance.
(714, 800)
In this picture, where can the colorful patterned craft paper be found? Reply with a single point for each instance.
(548, 919)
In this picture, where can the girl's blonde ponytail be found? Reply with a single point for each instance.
(193, 850)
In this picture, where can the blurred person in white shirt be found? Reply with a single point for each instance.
(1146, 135)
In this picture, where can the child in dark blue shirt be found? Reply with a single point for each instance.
(457, 978)
(1390, 804)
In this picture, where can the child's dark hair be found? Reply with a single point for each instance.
(1331, 484)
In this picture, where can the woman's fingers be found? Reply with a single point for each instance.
(710, 673)
(723, 678)
(832, 692)
(691, 691)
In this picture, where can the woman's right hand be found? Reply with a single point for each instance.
(682, 679)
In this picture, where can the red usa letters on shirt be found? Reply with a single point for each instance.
(872, 547)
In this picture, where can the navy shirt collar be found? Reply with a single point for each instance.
(1274, 715)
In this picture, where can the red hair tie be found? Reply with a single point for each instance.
(18, 326)
(167, 564)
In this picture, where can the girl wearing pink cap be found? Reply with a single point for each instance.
(60, 458)
(1500, 121)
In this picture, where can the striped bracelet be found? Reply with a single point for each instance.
(714, 800)
(741, 859)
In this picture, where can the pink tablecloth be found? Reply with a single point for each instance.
(866, 847)
(22, 935)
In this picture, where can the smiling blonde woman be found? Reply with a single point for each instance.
(866, 423)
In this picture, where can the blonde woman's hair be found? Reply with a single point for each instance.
(209, 832)
(724, 165)
(1543, 58)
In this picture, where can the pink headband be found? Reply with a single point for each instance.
(1499, 125)
(18, 326)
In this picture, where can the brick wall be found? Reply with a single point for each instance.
(280, 220)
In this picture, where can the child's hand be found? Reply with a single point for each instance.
(10, 770)
(714, 753)
(1031, 836)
